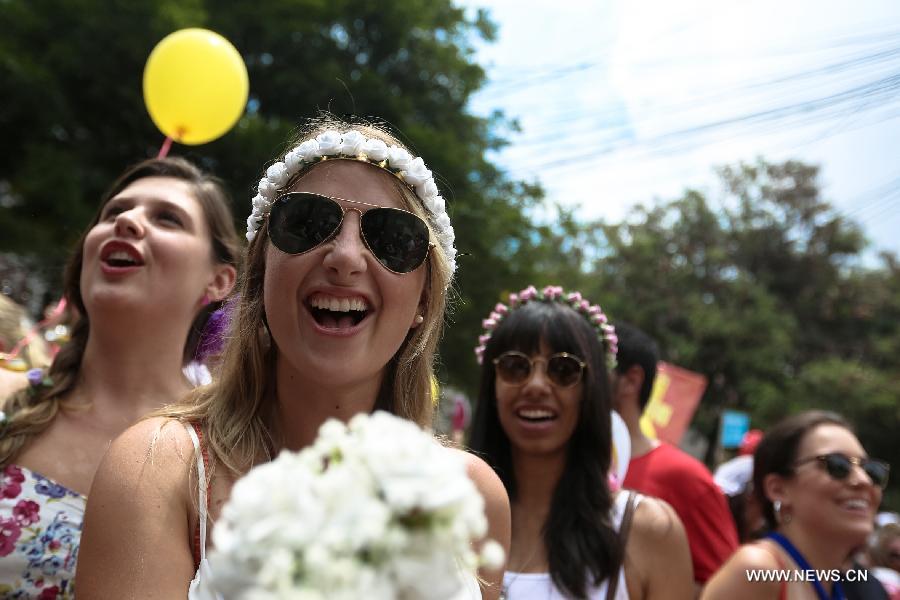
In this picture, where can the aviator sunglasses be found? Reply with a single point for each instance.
(838, 466)
(563, 369)
(302, 221)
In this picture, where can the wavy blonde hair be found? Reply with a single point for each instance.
(31, 411)
(237, 409)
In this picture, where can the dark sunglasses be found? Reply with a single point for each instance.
(563, 369)
(838, 466)
(301, 221)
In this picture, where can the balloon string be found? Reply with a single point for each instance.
(166, 146)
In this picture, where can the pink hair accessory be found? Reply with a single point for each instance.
(553, 293)
(613, 482)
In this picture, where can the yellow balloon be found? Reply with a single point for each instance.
(195, 86)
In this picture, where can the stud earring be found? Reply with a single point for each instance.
(419, 319)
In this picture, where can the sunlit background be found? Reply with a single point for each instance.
(621, 102)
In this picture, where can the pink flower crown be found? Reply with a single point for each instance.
(552, 293)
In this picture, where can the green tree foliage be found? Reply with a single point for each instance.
(73, 115)
(766, 293)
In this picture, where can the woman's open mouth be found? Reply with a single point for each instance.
(536, 415)
(333, 312)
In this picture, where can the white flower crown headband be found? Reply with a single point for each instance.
(552, 293)
(352, 145)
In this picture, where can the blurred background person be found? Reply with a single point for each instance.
(21, 347)
(664, 471)
(819, 492)
(735, 478)
(160, 255)
(884, 551)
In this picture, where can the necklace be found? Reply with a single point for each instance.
(504, 586)
(837, 593)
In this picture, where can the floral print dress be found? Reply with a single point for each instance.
(40, 529)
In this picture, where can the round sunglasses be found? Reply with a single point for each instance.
(302, 221)
(838, 466)
(563, 369)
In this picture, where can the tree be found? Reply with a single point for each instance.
(73, 116)
(767, 295)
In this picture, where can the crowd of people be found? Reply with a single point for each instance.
(116, 464)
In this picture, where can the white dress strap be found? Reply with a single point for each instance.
(201, 483)
(619, 504)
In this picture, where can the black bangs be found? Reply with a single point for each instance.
(579, 540)
(523, 329)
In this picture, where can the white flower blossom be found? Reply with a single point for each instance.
(352, 143)
(430, 188)
(277, 174)
(266, 189)
(309, 150)
(439, 205)
(398, 158)
(260, 203)
(329, 142)
(374, 509)
(375, 150)
(293, 160)
(416, 173)
(442, 221)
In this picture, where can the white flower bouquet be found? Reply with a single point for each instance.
(374, 509)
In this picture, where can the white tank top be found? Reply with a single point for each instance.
(539, 586)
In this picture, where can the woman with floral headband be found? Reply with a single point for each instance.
(339, 313)
(156, 260)
(543, 423)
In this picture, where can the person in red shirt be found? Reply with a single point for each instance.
(662, 470)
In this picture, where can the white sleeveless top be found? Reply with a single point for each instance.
(539, 586)
(201, 586)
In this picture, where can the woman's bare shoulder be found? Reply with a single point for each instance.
(485, 478)
(655, 519)
(734, 581)
(758, 555)
(658, 558)
(138, 520)
(158, 448)
(496, 509)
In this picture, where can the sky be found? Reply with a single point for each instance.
(626, 101)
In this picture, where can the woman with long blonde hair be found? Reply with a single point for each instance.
(340, 311)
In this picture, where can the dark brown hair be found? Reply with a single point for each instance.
(777, 452)
(30, 411)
